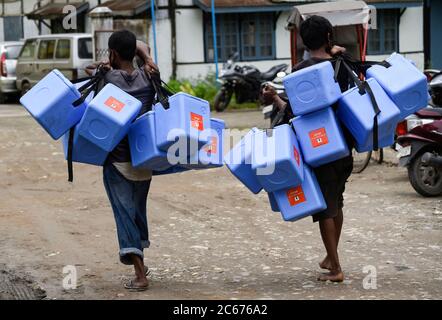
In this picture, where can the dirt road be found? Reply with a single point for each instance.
(211, 238)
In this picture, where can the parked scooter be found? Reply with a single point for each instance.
(243, 81)
(435, 87)
(420, 143)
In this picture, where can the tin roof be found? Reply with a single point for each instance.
(339, 13)
(243, 5)
(127, 8)
(55, 10)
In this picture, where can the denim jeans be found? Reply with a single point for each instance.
(129, 201)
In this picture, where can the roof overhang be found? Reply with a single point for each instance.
(234, 6)
(55, 10)
(127, 8)
(339, 13)
(391, 4)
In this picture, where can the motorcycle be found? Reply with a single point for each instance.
(419, 144)
(243, 81)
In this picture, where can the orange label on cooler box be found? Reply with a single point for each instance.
(296, 196)
(297, 157)
(318, 137)
(212, 147)
(114, 104)
(196, 121)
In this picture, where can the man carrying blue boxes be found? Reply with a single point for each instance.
(127, 187)
(316, 33)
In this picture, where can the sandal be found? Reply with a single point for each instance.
(131, 286)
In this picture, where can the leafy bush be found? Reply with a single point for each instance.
(206, 89)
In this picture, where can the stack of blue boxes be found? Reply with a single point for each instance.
(101, 122)
(400, 90)
(272, 160)
(312, 92)
(280, 161)
(158, 137)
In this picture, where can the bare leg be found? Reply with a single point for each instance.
(339, 219)
(329, 237)
(140, 280)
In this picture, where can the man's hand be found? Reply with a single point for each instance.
(336, 50)
(105, 65)
(268, 94)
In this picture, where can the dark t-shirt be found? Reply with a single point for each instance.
(337, 170)
(140, 87)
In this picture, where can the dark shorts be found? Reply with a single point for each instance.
(332, 178)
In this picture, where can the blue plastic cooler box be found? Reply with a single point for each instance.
(84, 151)
(143, 147)
(108, 117)
(50, 103)
(273, 204)
(404, 84)
(277, 159)
(312, 88)
(238, 160)
(356, 112)
(211, 154)
(320, 137)
(186, 118)
(302, 201)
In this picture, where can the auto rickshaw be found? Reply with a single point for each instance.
(351, 22)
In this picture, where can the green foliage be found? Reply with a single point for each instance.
(206, 89)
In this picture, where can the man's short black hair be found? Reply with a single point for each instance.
(125, 43)
(315, 32)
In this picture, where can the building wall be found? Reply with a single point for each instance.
(190, 37)
(436, 38)
(411, 40)
(164, 47)
(190, 45)
(30, 27)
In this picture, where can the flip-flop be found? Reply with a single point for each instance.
(146, 271)
(134, 288)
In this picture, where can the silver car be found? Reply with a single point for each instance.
(9, 52)
(69, 53)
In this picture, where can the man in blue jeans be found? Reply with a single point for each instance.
(127, 188)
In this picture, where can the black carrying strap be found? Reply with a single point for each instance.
(163, 94)
(90, 86)
(85, 90)
(278, 118)
(79, 80)
(70, 155)
(364, 88)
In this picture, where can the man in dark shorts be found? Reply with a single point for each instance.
(317, 33)
(127, 188)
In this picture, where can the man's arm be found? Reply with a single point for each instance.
(143, 52)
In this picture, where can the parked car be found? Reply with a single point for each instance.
(69, 53)
(9, 52)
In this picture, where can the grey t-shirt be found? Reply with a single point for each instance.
(139, 86)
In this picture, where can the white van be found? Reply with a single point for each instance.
(70, 53)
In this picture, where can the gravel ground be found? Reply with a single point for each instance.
(211, 238)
